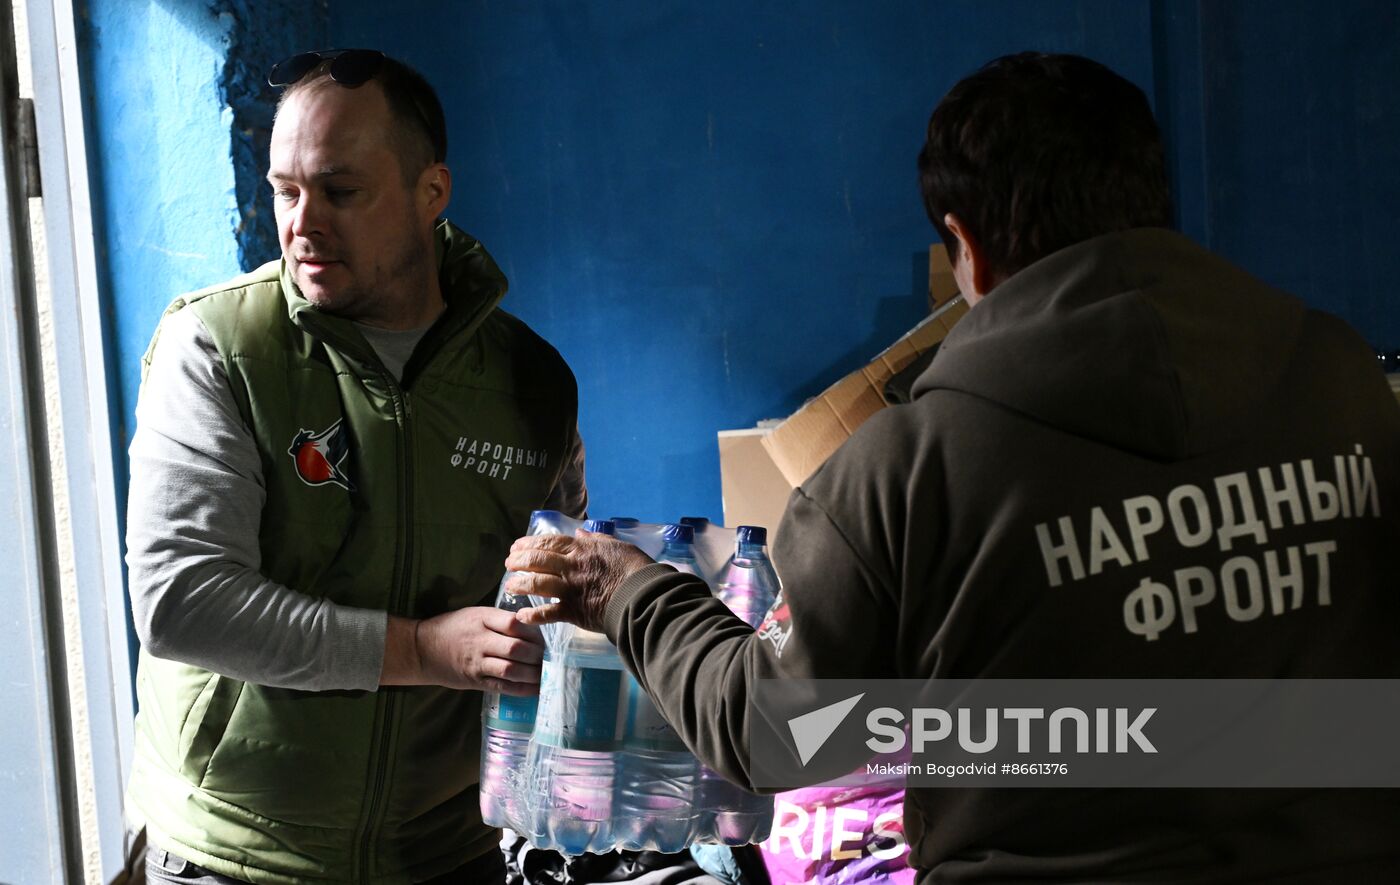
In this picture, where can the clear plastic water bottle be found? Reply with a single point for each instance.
(578, 731)
(748, 584)
(657, 777)
(508, 721)
(627, 527)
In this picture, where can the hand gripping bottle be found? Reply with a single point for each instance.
(748, 585)
(657, 777)
(578, 731)
(507, 721)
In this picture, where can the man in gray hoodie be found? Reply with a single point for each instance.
(1120, 409)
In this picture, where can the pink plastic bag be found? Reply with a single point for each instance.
(839, 834)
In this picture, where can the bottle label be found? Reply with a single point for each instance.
(580, 709)
(647, 729)
(510, 713)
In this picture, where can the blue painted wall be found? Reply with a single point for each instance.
(711, 209)
(160, 164)
(1302, 124)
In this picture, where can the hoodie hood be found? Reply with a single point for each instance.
(1141, 340)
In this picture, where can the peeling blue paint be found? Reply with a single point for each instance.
(259, 35)
(176, 149)
(179, 119)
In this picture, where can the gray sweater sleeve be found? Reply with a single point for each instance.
(193, 517)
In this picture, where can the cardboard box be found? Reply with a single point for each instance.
(807, 438)
(755, 491)
(759, 467)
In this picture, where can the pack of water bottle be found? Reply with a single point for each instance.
(591, 764)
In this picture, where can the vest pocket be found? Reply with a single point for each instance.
(205, 725)
(295, 757)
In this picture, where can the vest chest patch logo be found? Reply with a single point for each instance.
(320, 456)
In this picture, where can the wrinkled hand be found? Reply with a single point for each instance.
(582, 572)
(480, 648)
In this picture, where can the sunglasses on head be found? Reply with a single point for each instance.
(353, 68)
(349, 67)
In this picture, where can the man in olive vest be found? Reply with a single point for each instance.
(332, 455)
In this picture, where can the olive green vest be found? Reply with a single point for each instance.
(398, 496)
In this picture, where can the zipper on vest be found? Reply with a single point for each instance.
(397, 605)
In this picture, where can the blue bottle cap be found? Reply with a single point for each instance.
(699, 523)
(751, 534)
(682, 533)
(600, 526)
(626, 522)
(545, 514)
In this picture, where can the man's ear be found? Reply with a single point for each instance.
(435, 190)
(971, 269)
